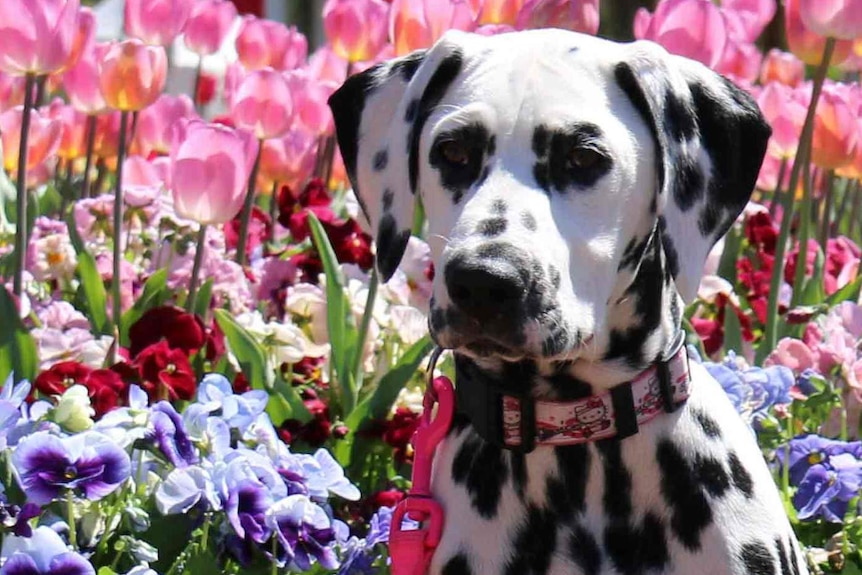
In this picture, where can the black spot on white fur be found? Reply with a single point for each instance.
(534, 543)
(690, 510)
(380, 160)
(757, 559)
(457, 565)
(528, 221)
(498, 207)
(391, 244)
(554, 169)
(584, 550)
(492, 227)
(707, 424)
(740, 476)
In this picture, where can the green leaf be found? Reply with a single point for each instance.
(247, 350)
(378, 404)
(343, 335)
(92, 287)
(170, 534)
(106, 571)
(154, 294)
(850, 292)
(18, 352)
(203, 299)
(732, 331)
(730, 254)
(813, 292)
(202, 561)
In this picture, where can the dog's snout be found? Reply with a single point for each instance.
(484, 288)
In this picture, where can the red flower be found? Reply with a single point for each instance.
(351, 244)
(259, 230)
(240, 384)
(206, 89)
(293, 211)
(182, 330)
(308, 267)
(61, 376)
(399, 431)
(166, 373)
(315, 431)
(761, 232)
(711, 332)
(105, 387)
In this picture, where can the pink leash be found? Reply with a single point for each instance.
(412, 550)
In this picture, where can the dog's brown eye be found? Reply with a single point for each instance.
(583, 158)
(455, 153)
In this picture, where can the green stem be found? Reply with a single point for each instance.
(770, 336)
(102, 545)
(88, 164)
(835, 227)
(823, 234)
(196, 268)
(247, 207)
(274, 555)
(804, 234)
(776, 193)
(273, 211)
(70, 517)
(205, 534)
(116, 281)
(40, 90)
(363, 329)
(854, 211)
(21, 185)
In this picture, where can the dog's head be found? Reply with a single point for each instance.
(570, 183)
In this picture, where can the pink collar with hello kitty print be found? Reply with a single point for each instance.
(518, 422)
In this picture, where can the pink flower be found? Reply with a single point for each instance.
(74, 129)
(415, 24)
(132, 75)
(262, 104)
(577, 15)
(208, 24)
(740, 62)
(835, 130)
(43, 141)
(156, 22)
(782, 67)
(38, 35)
(154, 130)
(289, 159)
(807, 45)
(356, 28)
(792, 353)
(210, 166)
(81, 82)
(753, 15)
(309, 100)
(265, 43)
(692, 28)
(327, 66)
(11, 91)
(85, 37)
(785, 111)
(837, 18)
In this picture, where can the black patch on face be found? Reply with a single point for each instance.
(708, 425)
(529, 221)
(554, 273)
(557, 151)
(687, 182)
(498, 207)
(443, 76)
(388, 196)
(690, 510)
(457, 565)
(679, 117)
(534, 543)
(567, 387)
(711, 474)
(412, 111)
(381, 159)
(634, 252)
(709, 217)
(670, 253)
(757, 559)
(635, 549)
(585, 551)
(568, 490)
(740, 476)
(391, 244)
(408, 65)
(492, 227)
(457, 178)
(794, 561)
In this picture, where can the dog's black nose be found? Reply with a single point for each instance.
(484, 289)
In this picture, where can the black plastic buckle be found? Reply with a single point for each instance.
(665, 386)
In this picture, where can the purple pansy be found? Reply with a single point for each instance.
(752, 390)
(304, 532)
(44, 553)
(246, 510)
(809, 450)
(170, 435)
(827, 488)
(361, 554)
(88, 463)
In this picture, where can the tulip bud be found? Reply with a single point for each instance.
(413, 24)
(804, 43)
(356, 28)
(42, 142)
(262, 104)
(208, 25)
(156, 22)
(38, 35)
(835, 18)
(132, 75)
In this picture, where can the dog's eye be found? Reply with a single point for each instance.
(455, 153)
(583, 158)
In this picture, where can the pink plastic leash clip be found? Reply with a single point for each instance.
(412, 550)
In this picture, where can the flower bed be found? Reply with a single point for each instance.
(203, 372)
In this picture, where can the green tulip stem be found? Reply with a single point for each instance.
(835, 226)
(273, 211)
(196, 268)
(116, 281)
(247, 207)
(856, 190)
(829, 192)
(770, 336)
(70, 518)
(358, 368)
(21, 205)
(776, 193)
(88, 162)
(804, 234)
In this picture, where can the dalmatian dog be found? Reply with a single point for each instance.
(573, 187)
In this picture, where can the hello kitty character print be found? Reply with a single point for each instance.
(591, 417)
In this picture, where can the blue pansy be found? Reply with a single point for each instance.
(44, 553)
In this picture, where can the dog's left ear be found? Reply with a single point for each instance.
(710, 142)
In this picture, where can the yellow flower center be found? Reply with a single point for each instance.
(171, 368)
(814, 458)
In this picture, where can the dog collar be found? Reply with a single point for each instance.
(516, 421)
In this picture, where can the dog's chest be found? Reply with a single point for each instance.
(689, 493)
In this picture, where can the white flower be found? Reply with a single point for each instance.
(54, 257)
(73, 411)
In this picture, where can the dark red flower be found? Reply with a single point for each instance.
(711, 332)
(308, 267)
(206, 89)
(61, 376)
(315, 431)
(399, 431)
(106, 388)
(314, 195)
(180, 329)
(308, 371)
(166, 373)
(259, 230)
(241, 384)
(350, 243)
(298, 222)
(761, 232)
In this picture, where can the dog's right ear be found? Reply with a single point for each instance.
(364, 108)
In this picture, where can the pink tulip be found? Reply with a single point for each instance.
(210, 167)
(785, 112)
(325, 65)
(85, 37)
(42, 142)
(38, 35)
(262, 104)
(835, 132)
(132, 75)
(142, 183)
(692, 28)
(290, 159)
(753, 15)
(265, 43)
(836, 18)
(82, 81)
(807, 45)
(156, 22)
(782, 67)
(11, 91)
(577, 15)
(107, 134)
(356, 28)
(309, 96)
(792, 353)
(853, 170)
(415, 24)
(740, 62)
(208, 25)
(500, 12)
(73, 142)
(154, 130)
